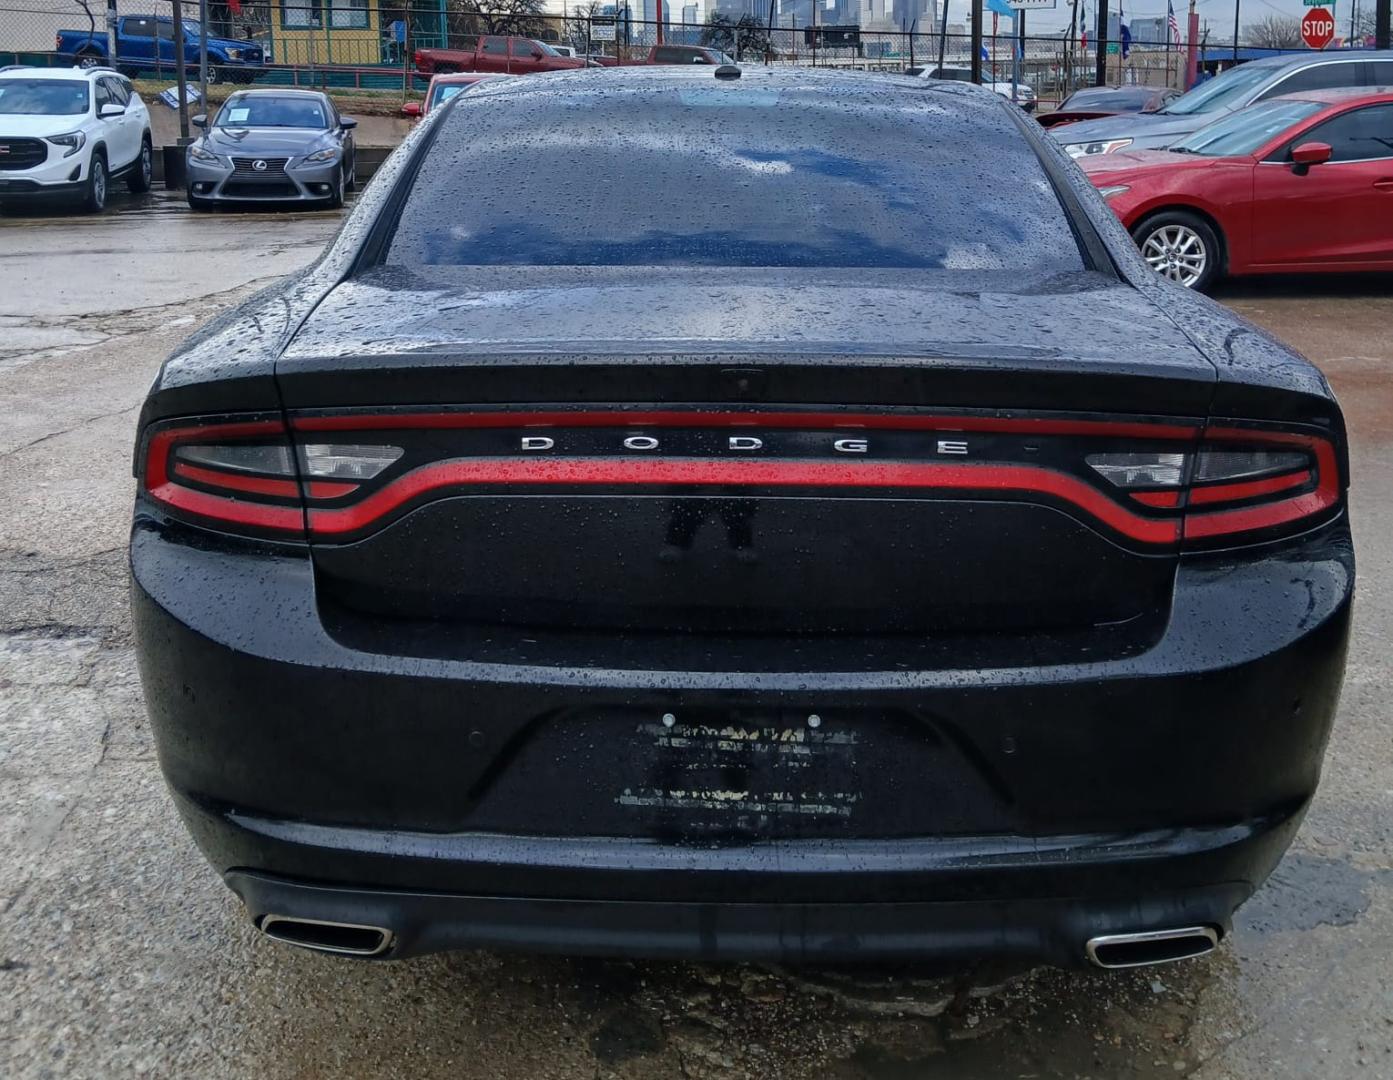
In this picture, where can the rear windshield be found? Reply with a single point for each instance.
(724, 175)
(1126, 99)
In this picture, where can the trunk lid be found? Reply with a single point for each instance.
(814, 453)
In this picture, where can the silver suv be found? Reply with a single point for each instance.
(1236, 88)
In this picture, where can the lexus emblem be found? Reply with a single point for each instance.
(259, 165)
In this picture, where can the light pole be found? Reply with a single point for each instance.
(1236, 5)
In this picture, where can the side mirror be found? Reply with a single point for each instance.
(110, 111)
(411, 110)
(537, 54)
(348, 123)
(201, 120)
(1308, 154)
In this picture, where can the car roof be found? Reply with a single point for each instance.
(1344, 95)
(1305, 59)
(466, 77)
(274, 91)
(826, 81)
(55, 73)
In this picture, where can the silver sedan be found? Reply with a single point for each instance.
(272, 146)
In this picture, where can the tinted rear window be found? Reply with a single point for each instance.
(711, 174)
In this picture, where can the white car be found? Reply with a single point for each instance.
(70, 132)
(1025, 96)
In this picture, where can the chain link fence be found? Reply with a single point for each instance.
(373, 44)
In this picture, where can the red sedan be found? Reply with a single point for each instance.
(1296, 183)
(442, 88)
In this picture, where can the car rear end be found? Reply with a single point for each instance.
(735, 597)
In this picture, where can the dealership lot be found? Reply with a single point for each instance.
(120, 952)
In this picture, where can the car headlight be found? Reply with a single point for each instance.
(199, 154)
(1103, 146)
(319, 157)
(234, 54)
(1115, 189)
(72, 142)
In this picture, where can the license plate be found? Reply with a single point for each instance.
(742, 772)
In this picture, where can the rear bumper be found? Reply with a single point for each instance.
(1133, 794)
(1052, 930)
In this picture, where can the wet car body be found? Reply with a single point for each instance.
(277, 146)
(718, 599)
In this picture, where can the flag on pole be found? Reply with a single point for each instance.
(1171, 24)
(1083, 29)
(1124, 31)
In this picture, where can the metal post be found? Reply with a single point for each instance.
(1100, 71)
(202, 52)
(977, 40)
(660, 18)
(912, 27)
(1018, 54)
(111, 35)
(1237, 4)
(181, 83)
(406, 79)
(942, 37)
(1383, 38)
(1071, 50)
(1192, 34)
(813, 9)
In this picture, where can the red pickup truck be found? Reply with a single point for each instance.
(508, 55)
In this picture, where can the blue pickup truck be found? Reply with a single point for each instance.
(146, 42)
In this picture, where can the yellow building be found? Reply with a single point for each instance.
(327, 32)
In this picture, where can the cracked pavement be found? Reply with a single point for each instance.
(121, 953)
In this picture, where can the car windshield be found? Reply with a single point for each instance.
(43, 97)
(1226, 91)
(445, 92)
(1119, 99)
(952, 74)
(723, 175)
(254, 110)
(1245, 131)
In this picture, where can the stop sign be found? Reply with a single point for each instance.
(1318, 28)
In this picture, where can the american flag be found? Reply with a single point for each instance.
(1171, 24)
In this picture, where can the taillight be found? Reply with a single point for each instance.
(240, 475)
(1153, 484)
(1238, 481)
(1254, 481)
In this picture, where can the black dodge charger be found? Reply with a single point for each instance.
(740, 514)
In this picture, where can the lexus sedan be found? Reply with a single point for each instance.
(1300, 183)
(272, 146)
(834, 569)
(1246, 84)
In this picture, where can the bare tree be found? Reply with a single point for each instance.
(744, 39)
(521, 17)
(576, 29)
(1274, 32)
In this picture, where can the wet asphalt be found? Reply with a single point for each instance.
(121, 954)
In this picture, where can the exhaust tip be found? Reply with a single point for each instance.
(1151, 947)
(345, 939)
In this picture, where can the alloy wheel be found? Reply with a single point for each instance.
(1176, 252)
